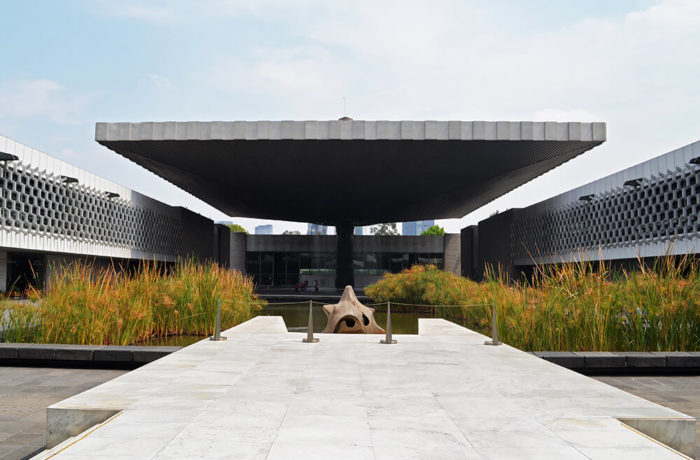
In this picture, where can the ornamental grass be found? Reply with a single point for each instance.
(86, 305)
(568, 307)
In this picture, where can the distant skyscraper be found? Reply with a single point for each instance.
(263, 229)
(358, 230)
(416, 228)
(316, 229)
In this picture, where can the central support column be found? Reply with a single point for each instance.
(343, 264)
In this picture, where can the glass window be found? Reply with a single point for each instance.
(399, 262)
(267, 266)
(292, 268)
(305, 260)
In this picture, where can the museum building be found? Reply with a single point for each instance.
(53, 213)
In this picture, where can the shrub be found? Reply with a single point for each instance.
(433, 230)
(567, 307)
(83, 305)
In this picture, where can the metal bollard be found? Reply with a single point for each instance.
(310, 328)
(494, 325)
(388, 340)
(217, 331)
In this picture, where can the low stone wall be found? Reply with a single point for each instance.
(608, 363)
(95, 356)
(132, 356)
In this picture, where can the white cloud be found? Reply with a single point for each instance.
(148, 11)
(43, 98)
(670, 14)
(442, 60)
(161, 82)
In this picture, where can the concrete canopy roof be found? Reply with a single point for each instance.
(363, 172)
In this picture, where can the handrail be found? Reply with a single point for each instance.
(388, 340)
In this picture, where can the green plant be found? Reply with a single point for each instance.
(433, 230)
(86, 305)
(235, 228)
(578, 306)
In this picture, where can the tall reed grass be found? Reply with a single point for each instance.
(575, 307)
(86, 305)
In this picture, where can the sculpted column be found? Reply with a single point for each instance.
(343, 267)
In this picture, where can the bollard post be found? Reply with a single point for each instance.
(494, 327)
(388, 340)
(310, 328)
(217, 330)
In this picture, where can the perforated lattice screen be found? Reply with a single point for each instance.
(663, 208)
(36, 201)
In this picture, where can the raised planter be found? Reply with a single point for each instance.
(90, 356)
(607, 363)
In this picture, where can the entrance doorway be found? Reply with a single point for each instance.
(25, 270)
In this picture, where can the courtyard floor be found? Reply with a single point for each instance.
(439, 394)
(25, 393)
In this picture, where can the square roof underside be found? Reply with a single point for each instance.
(375, 171)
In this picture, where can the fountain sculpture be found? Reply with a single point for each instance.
(349, 316)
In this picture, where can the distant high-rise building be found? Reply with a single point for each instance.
(358, 230)
(316, 229)
(263, 229)
(416, 228)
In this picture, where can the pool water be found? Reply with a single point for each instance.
(296, 317)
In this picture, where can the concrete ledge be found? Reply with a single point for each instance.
(36, 351)
(81, 355)
(143, 355)
(678, 433)
(683, 359)
(63, 423)
(657, 362)
(646, 360)
(112, 353)
(8, 351)
(567, 359)
(73, 352)
(602, 359)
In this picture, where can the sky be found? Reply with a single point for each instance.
(634, 64)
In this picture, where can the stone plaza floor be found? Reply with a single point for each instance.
(440, 394)
(681, 393)
(25, 392)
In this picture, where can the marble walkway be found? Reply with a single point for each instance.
(439, 394)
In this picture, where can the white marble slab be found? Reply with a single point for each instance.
(263, 393)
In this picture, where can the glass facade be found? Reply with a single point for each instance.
(263, 230)
(316, 229)
(283, 268)
(416, 228)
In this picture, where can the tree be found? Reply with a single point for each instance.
(235, 228)
(291, 232)
(384, 229)
(433, 230)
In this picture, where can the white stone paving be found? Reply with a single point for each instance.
(441, 394)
